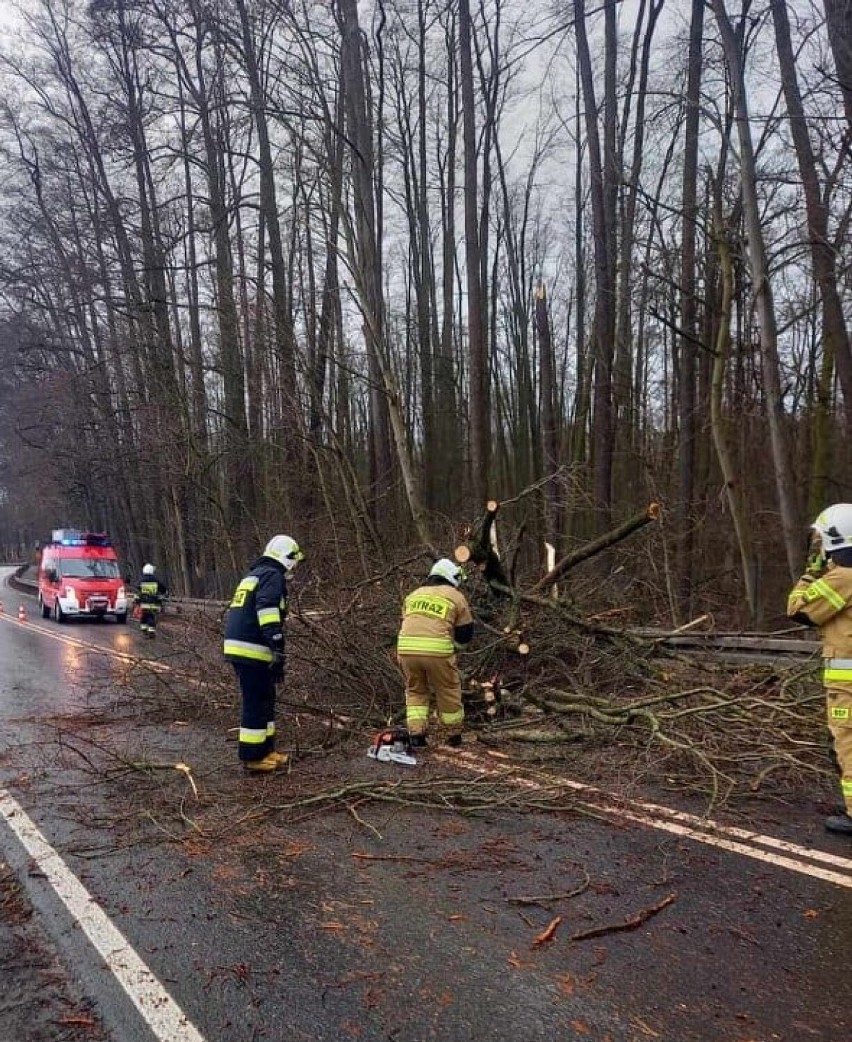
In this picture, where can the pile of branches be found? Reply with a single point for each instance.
(546, 680)
(556, 684)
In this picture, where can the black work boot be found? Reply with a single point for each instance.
(840, 823)
(417, 741)
(454, 741)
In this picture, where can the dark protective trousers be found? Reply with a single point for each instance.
(257, 719)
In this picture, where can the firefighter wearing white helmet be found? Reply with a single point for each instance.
(149, 598)
(436, 620)
(254, 645)
(823, 597)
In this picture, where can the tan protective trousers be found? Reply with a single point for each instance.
(427, 675)
(839, 711)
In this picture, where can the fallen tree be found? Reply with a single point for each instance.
(549, 680)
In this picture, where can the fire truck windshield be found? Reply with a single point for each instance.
(89, 568)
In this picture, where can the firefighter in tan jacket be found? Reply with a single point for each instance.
(823, 598)
(436, 619)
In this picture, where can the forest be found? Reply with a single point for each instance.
(350, 270)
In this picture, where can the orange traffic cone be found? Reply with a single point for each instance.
(22, 614)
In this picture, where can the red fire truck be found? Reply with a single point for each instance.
(78, 576)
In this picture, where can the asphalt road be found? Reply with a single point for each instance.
(394, 921)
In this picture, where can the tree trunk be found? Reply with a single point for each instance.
(477, 350)
(603, 181)
(718, 423)
(838, 15)
(835, 335)
(764, 304)
(688, 317)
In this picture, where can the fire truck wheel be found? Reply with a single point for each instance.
(43, 608)
(121, 618)
(58, 613)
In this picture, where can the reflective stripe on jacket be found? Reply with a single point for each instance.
(826, 601)
(255, 620)
(151, 593)
(837, 670)
(430, 616)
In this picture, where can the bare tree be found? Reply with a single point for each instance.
(765, 308)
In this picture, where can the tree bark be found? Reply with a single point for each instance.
(764, 304)
(688, 316)
(603, 180)
(718, 423)
(835, 336)
(838, 15)
(477, 350)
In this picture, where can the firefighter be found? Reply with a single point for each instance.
(823, 598)
(436, 620)
(149, 598)
(254, 645)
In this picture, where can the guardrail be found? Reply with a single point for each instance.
(747, 646)
(767, 643)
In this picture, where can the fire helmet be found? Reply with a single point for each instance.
(834, 526)
(284, 550)
(449, 570)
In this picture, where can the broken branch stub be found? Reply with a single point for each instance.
(603, 542)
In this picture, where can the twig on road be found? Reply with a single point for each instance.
(628, 924)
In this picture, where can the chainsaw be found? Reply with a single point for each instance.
(392, 746)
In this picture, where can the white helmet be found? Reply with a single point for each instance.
(448, 570)
(834, 526)
(284, 550)
(148, 569)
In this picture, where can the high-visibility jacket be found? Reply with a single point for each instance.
(254, 626)
(151, 593)
(826, 601)
(435, 619)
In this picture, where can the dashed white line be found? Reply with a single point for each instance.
(162, 1014)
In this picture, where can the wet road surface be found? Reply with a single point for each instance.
(398, 922)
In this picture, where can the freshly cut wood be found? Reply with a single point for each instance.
(480, 549)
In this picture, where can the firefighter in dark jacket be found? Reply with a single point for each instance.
(823, 597)
(436, 620)
(254, 645)
(149, 598)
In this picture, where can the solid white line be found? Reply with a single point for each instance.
(747, 835)
(160, 1011)
(755, 853)
(698, 829)
(666, 819)
(97, 649)
(694, 821)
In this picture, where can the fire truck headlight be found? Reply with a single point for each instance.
(70, 594)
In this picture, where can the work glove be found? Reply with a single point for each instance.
(817, 562)
(276, 666)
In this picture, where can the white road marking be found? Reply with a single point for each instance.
(679, 823)
(98, 649)
(161, 1013)
(791, 856)
(704, 824)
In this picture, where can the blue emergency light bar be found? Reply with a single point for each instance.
(73, 537)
